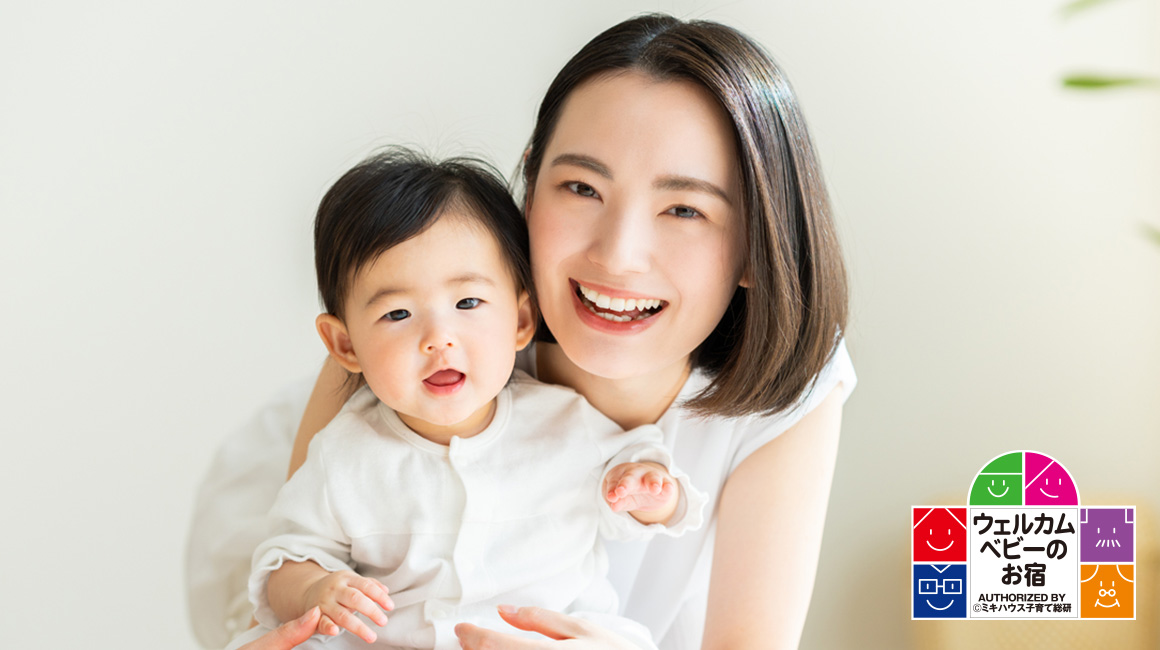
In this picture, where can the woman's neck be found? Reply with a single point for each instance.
(630, 402)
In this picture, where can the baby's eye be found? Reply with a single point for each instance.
(468, 303)
(397, 314)
(583, 189)
(684, 212)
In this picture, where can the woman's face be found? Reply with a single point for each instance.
(635, 222)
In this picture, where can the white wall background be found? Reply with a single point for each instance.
(160, 164)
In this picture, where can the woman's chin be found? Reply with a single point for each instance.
(615, 363)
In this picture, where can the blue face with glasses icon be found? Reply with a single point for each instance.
(940, 591)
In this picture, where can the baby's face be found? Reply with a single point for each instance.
(435, 323)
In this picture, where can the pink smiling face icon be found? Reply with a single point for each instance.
(1048, 483)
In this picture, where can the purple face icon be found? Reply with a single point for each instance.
(1047, 482)
(1105, 535)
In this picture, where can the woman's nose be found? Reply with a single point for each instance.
(622, 242)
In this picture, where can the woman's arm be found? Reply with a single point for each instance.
(769, 535)
(330, 393)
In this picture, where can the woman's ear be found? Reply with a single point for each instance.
(337, 341)
(525, 321)
(746, 280)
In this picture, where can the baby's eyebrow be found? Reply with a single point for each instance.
(471, 277)
(383, 293)
(463, 278)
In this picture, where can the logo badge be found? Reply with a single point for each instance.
(1023, 548)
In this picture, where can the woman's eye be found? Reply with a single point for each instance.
(684, 212)
(582, 189)
(397, 314)
(468, 303)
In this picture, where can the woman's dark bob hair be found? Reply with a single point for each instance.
(776, 336)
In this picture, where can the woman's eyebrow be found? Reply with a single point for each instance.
(580, 160)
(690, 184)
(668, 182)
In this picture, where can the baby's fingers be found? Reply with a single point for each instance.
(618, 490)
(327, 626)
(347, 620)
(611, 480)
(651, 481)
(376, 590)
(658, 482)
(636, 480)
(355, 600)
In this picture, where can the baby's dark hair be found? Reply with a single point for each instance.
(398, 193)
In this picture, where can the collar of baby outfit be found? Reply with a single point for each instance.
(470, 445)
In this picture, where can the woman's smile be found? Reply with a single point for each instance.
(609, 322)
(617, 306)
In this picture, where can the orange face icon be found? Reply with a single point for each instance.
(1106, 591)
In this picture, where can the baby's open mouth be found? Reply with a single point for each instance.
(619, 310)
(445, 378)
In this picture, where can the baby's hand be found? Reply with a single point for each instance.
(342, 593)
(641, 488)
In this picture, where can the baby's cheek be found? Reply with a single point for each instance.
(495, 355)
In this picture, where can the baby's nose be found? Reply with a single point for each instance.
(438, 341)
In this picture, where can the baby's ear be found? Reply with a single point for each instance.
(337, 341)
(526, 321)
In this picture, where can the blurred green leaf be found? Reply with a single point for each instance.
(1076, 6)
(1099, 82)
(1153, 233)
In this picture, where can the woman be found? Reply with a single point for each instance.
(688, 274)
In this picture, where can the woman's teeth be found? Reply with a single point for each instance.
(645, 306)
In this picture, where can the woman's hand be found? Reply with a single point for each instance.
(561, 631)
(289, 634)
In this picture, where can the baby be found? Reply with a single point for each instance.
(447, 481)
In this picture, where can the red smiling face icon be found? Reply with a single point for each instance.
(940, 534)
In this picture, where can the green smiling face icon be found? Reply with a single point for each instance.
(1000, 483)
